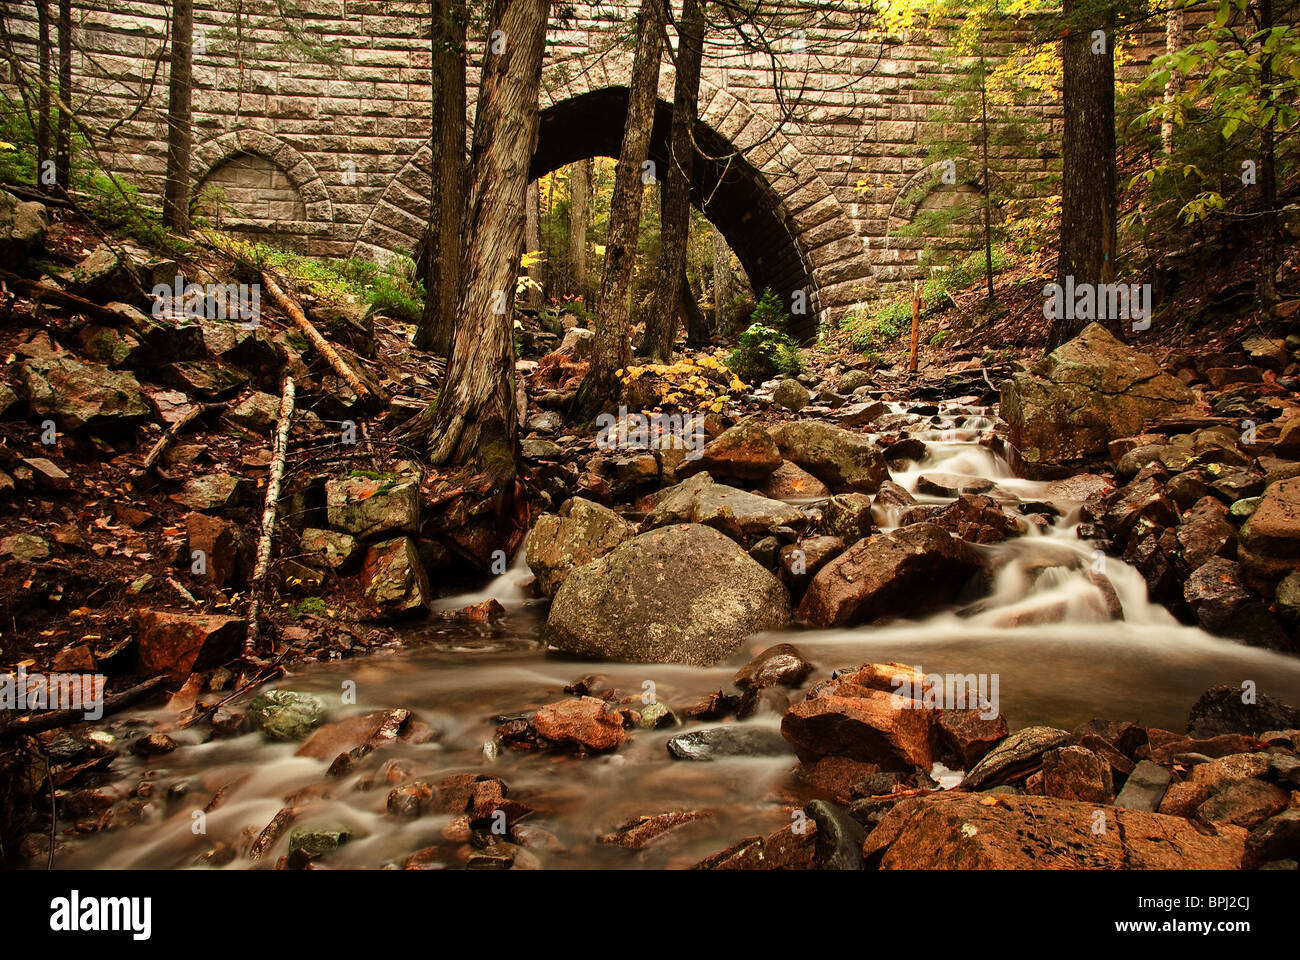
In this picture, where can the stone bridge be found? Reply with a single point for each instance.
(315, 127)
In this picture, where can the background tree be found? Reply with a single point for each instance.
(63, 134)
(611, 351)
(441, 257)
(180, 86)
(661, 319)
(579, 197)
(43, 157)
(723, 283)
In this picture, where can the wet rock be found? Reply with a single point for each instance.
(315, 840)
(285, 715)
(1033, 833)
(744, 452)
(840, 778)
(800, 561)
(371, 730)
(1206, 534)
(892, 497)
(1076, 773)
(1164, 746)
(792, 395)
(1221, 710)
(178, 644)
(1094, 389)
(977, 519)
(914, 568)
(1223, 604)
(759, 701)
(781, 665)
(1287, 596)
(1277, 838)
(869, 727)
(580, 533)
(1015, 758)
(791, 848)
(951, 484)
(641, 832)
(679, 594)
(790, 482)
(964, 737)
(22, 228)
(335, 550)
(585, 722)
(153, 745)
(1270, 539)
(725, 742)
(737, 514)
(708, 707)
(1145, 788)
(845, 461)
(839, 836)
(848, 517)
(1245, 804)
(368, 508)
(393, 578)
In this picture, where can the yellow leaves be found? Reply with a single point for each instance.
(691, 382)
(5, 145)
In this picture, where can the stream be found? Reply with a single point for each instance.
(1043, 630)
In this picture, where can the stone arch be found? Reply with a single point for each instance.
(313, 213)
(907, 204)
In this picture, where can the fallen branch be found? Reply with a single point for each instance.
(268, 515)
(47, 294)
(174, 431)
(50, 719)
(295, 313)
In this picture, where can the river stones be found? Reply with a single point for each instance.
(860, 724)
(1220, 710)
(580, 533)
(1078, 398)
(845, 461)
(586, 722)
(678, 594)
(733, 740)
(286, 715)
(781, 664)
(1015, 758)
(740, 515)
(1034, 833)
(790, 482)
(911, 569)
(744, 452)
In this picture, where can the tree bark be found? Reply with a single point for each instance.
(43, 157)
(675, 223)
(1268, 171)
(180, 85)
(1173, 41)
(532, 243)
(579, 198)
(1088, 175)
(724, 286)
(611, 349)
(474, 420)
(446, 178)
(63, 135)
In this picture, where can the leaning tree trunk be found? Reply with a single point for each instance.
(43, 158)
(176, 189)
(675, 224)
(1088, 174)
(724, 284)
(446, 179)
(1268, 170)
(579, 195)
(474, 422)
(611, 350)
(63, 134)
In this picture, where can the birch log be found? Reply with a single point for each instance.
(268, 514)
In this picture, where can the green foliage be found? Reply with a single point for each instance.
(869, 333)
(765, 349)
(966, 272)
(309, 607)
(939, 338)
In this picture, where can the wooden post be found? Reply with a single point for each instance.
(916, 325)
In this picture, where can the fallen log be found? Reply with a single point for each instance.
(322, 346)
(44, 293)
(51, 719)
(268, 515)
(174, 431)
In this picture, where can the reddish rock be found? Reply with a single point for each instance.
(790, 848)
(368, 730)
(965, 736)
(1182, 799)
(1163, 746)
(643, 831)
(968, 832)
(790, 482)
(1246, 804)
(177, 644)
(585, 721)
(219, 542)
(871, 728)
(835, 776)
(781, 664)
(745, 452)
(1076, 773)
(912, 569)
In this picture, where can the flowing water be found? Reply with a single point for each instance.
(1043, 630)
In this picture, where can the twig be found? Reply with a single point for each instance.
(50, 719)
(322, 345)
(44, 292)
(268, 515)
(174, 431)
(179, 588)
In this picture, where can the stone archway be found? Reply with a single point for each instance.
(269, 190)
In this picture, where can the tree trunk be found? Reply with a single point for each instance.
(43, 158)
(611, 350)
(446, 178)
(675, 223)
(724, 286)
(697, 326)
(988, 181)
(532, 243)
(1173, 41)
(176, 190)
(63, 136)
(1088, 174)
(474, 421)
(579, 197)
(1268, 170)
